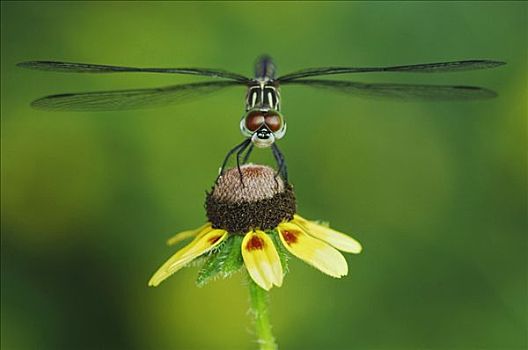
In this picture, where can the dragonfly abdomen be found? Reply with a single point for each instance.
(265, 68)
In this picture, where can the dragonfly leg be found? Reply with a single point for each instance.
(243, 144)
(281, 162)
(248, 153)
(239, 153)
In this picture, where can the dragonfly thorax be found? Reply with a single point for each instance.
(263, 94)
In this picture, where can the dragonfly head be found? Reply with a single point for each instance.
(263, 126)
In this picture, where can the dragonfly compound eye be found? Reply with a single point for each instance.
(273, 121)
(254, 120)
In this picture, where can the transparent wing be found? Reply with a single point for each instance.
(439, 67)
(69, 67)
(400, 91)
(129, 99)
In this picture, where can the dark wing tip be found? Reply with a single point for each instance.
(476, 92)
(50, 103)
(42, 65)
(40, 104)
(26, 64)
(492, 63)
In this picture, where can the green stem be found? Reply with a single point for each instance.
(259, 309)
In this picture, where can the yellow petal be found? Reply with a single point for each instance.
(262, 260)
(313, 251)
(335, 238)
(188, 234)
(204, 242)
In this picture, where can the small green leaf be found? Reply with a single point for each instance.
(223, 262)
(234, 260)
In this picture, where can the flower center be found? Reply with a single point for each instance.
(260, 201)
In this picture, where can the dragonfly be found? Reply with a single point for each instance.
(262, 123)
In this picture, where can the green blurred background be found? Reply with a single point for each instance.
(436, 192)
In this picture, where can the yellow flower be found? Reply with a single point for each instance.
(260, 207)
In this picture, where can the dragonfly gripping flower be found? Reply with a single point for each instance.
(255, 225)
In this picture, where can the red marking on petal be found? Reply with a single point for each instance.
(255, 243)
(214, 239)
(290, 236)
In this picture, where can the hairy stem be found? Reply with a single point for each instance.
(259, 310)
